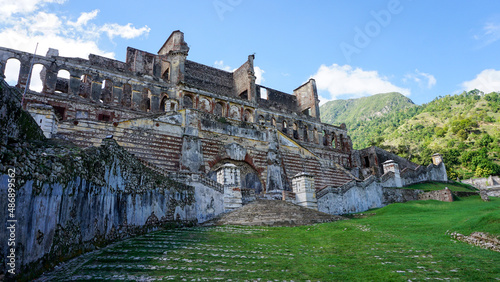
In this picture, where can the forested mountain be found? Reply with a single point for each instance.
(367, 118)
(464, 128)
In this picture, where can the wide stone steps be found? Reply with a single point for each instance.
(273, 213)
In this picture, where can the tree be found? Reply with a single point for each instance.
(485, 140)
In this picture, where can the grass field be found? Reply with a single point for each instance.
(399, 242)
(432, 186)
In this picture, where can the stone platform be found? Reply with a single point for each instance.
(273, 213)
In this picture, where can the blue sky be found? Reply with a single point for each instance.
(422, 49)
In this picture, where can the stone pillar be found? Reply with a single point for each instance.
(45, 118)
(391, 165)
(305, 193)
(441, 175)
(192, 153)
(74, 85)
(437, 159)
(117, 92)
(229, 176)
(95, 91)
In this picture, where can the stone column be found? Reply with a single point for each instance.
(391, 165)
(305, 193)
(229, 176)
(95, 91)
(74, 85)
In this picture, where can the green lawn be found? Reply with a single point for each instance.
(432, 186)
(399, 242)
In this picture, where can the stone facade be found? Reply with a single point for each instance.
(190, 120)
(184, 116)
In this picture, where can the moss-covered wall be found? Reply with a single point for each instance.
(70, 200)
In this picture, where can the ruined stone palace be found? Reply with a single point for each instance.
(219, 131)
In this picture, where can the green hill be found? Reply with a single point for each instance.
(465, 128)
(366, 108)
(366, 118)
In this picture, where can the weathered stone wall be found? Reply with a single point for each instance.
(370, 161)
(375, 192)
(444, 195)
(350, 198)
(244, 80)
(431, 172)
(70, 201)
(209, 202)
(209, 79)
(307, 99)
(483, 182)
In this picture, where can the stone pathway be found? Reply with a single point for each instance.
(178, 255)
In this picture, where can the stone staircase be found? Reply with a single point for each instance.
(273, 213)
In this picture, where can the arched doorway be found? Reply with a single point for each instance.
(249, 177)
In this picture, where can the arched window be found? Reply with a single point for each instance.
(235, 112)
(295, 131)
(284, 127)
(166, 73)
(62, 83)
(204, 105)
(36, 83)
(273, 122)
(244, 95)
(11, 72)
(187, 102)
(248, 115)
(163, 104)
(325, 138)
(219, 109)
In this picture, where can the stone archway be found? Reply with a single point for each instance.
(249, 177)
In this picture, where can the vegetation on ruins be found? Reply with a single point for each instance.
(400, 242)
(464, 128)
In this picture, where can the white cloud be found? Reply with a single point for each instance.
(10, 7)
(220, 65)
(353, 82)
(44, 24)
(259, 75)
(487, 81)
(26, 22)
(422, 78)
(84, 18)
(124, 31)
